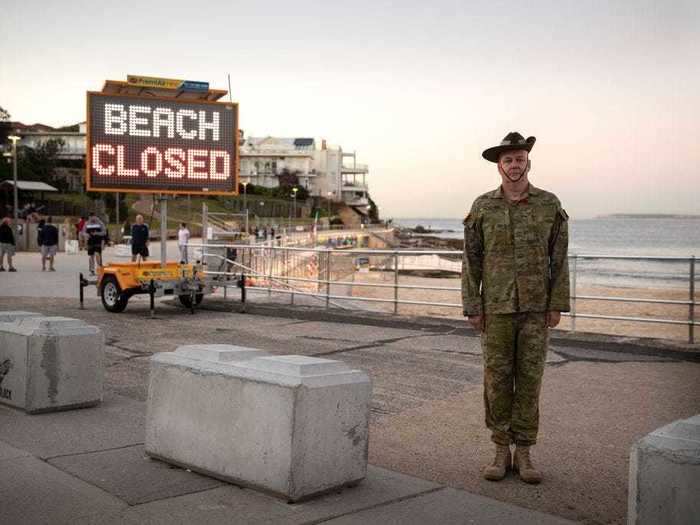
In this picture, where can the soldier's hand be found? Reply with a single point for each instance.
(553, 318)
(476, 322)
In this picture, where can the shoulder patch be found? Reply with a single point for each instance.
(563, 214)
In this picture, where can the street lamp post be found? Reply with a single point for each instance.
(294, 203)
(329, 194)
(14, 139)
(245, 203)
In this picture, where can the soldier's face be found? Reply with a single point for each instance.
(512, 165)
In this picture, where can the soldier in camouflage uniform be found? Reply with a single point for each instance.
(515, 284)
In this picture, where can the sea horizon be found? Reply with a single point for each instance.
(628, 236)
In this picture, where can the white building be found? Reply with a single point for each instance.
(320, 168)
(263, 160)
(353, 178)
(73, 141)
(70, 157)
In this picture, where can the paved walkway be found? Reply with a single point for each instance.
(30, 281)
(88, 466)
(427, 440)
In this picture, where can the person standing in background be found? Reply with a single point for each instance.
(140, 237)
(7, 244)
(183, 238)
(49, 244)
(96, 234)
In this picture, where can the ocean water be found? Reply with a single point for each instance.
(654, 237)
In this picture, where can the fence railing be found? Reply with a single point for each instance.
(323, 273)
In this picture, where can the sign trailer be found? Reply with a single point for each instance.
(164, 136)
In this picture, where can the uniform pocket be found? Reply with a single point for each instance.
(496, 235)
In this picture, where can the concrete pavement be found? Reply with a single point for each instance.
(88, 466)
(427, 439)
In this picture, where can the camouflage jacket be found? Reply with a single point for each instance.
(515, 255)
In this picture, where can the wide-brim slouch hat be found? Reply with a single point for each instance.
(511, 142)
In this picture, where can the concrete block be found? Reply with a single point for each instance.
(664, 481)
(218, 353)
(292, 426)
(10, 316)
(50, 363)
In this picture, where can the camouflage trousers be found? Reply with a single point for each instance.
(514, 348)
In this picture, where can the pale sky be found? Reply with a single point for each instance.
(611, 90)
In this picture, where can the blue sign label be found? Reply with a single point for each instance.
(194, 85)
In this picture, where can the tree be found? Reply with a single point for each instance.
(288, 179)
(39, 163)
(74, 128)
(5, 125)
(373, 210)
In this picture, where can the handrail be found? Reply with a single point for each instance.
(632, 257)
(321, 249)
(392, 262)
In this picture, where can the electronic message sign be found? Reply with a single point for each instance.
(161, 145)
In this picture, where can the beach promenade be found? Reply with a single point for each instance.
(427, 437)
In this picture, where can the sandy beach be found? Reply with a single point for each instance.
(583, 306)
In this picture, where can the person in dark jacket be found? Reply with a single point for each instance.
(7, 244)
(139, 239)
(96, 233)
(48, 243)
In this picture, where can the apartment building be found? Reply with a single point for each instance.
(325, 171)
(71, 156)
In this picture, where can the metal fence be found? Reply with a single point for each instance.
(328, 274)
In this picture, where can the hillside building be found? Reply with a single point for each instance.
(325, 171)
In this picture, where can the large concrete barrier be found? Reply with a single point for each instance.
(664, 484)
(292, 426)
(50, 363)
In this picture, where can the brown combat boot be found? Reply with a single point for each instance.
(497, 470)
(523, 466)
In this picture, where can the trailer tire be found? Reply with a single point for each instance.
(186, 299)
(112, 297)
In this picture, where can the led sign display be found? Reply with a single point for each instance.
(161, 145)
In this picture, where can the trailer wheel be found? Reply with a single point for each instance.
(112, 298)
(186, 299)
